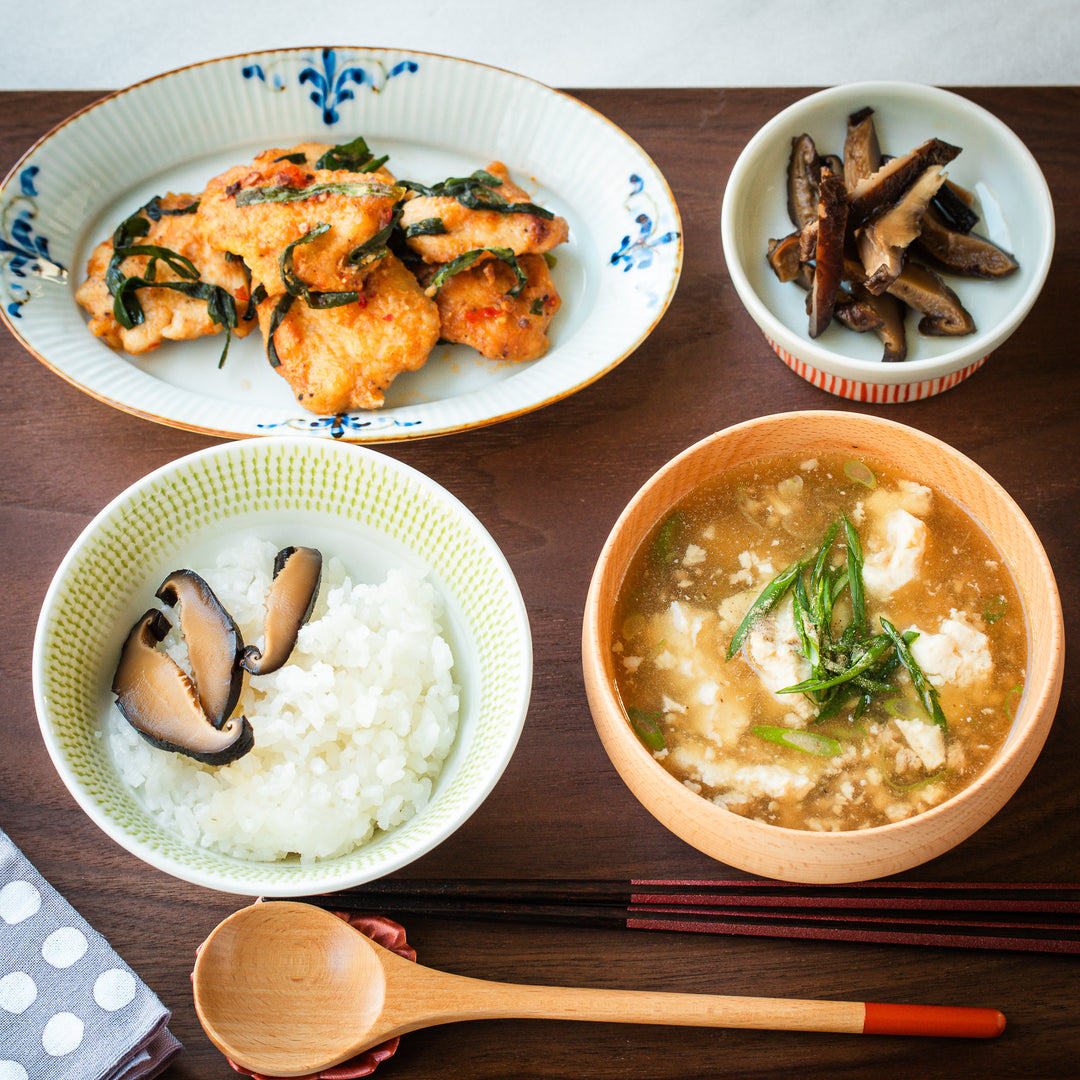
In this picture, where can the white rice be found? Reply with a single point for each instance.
(350, 735)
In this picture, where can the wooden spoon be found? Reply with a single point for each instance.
(285, 988)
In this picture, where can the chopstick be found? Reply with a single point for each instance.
(1030, 917)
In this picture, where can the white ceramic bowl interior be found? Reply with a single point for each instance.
(360, 505)
(1016, 213)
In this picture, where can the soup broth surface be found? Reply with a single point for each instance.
(911, 729)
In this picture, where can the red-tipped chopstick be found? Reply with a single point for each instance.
(1032, 918)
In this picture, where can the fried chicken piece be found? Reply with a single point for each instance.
(343, 358)
(168, 314)
(476, 309)
(353, 207)
(467, 229)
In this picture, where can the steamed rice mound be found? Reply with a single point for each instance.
(350, 735)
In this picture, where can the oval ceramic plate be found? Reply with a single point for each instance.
(435, 117)
(370, 511)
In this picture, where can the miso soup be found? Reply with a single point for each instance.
(820, 643)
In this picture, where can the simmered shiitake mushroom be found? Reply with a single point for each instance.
(213, 640)
(158, 699)
(192, 715)
(297, 572)
(864, 247)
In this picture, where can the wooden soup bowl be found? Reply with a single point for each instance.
(802, 855)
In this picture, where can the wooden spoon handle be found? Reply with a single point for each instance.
(473, 999)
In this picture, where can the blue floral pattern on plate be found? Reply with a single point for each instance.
(336, 426)
(24, 254)
(330, 79)
(638, 250)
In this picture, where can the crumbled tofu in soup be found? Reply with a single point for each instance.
(720, 724)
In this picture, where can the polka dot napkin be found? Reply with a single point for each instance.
(69, 1006)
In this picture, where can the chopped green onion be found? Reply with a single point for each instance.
(995, 608)
(155, 211)
(855, 576)
(375, 248)
(821, 561)
(647, 727)
(294, 286)
(430, 226)
(475, 192)
(927, 692)
(835, 703)
(915, 784)
(860, 473)
(463, 262)
(804, 625)
(277, 317)
(124, 288)
(1012, 700)
(769, 597)
(904, 708)
(809, 742)
(871, 653)
(282, 194)
(352, 156)
(663, 547)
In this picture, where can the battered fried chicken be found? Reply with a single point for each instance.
(308, 234)
(259, 211)
(343, 358)
(476, 309)
(467, 229)
(167, 314)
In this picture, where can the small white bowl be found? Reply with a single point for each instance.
(1016, 213)
(370, 511)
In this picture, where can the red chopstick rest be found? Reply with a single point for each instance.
(957, 1021)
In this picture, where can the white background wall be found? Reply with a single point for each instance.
(104, 44)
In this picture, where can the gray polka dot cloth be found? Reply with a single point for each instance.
(69, 1006)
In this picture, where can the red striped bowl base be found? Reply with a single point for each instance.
(875, 393)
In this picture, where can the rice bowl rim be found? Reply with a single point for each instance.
(490, 635)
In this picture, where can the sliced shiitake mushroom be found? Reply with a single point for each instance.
(883, 242)
(888, 312)
(829, 264)
(964, 253)
(157, 698)
(943, 314)
(865, 255)
(883, 189)
(804, 171)
(862, 154)
(785, 256)
(891, 332)
(297, 572)
(213, 639)
(954, 204)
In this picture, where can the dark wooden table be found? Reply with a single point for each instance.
(560, 809)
